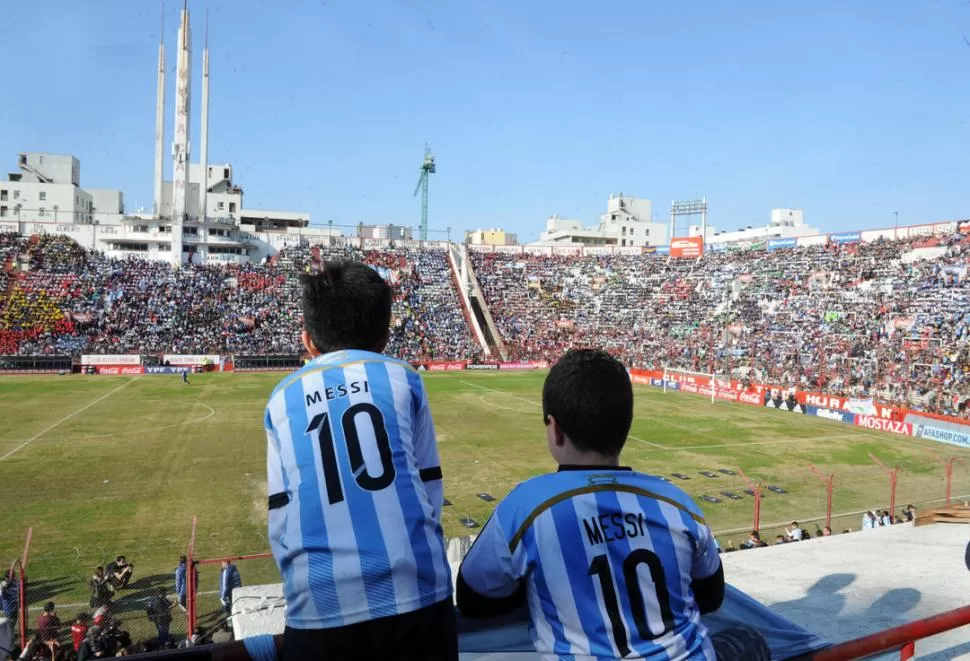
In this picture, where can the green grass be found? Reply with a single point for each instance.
(120, 465)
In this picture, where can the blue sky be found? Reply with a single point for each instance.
(849, 110)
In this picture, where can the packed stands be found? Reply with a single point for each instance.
(73, 301)
(887, 319)
(855, 320)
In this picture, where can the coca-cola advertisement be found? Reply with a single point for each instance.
(118, 370)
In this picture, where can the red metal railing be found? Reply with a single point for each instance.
(903, 638)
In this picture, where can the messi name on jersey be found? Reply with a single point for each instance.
(337, 391)
(611, 527)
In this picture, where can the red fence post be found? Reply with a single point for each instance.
(22, 589)
(947, 472)
(893, 474)
(829, 484)
(190, 586)
(756, 488)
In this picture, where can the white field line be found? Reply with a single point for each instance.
(64, 419)
(682, 448)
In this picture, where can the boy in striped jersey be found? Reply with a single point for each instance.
(612, 563)
(355, 486)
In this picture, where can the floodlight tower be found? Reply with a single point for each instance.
(427, 169)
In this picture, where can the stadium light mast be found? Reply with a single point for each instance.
(688, 208)
(181, 146)
(160, 123)
(428, 168)
(204, 144)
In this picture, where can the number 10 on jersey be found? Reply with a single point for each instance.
(352, 433)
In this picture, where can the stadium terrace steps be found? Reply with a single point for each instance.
(851, 585)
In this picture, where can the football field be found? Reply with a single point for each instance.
(101, 466)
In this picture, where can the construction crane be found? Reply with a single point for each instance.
(427, 169)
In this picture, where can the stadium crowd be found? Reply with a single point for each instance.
(73, 301)
(854, 320)
(857, 320)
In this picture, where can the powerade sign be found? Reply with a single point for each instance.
(782, 244)
(848, 237)
(961, 439)
(831, 414)
(166, 369)
(662, 250)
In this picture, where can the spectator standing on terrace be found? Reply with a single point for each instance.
(119, 572)
(868, 521)
(753, 541)
(229, 580)
(10, 597)
(181, 581)
(101, 589)
(909, 513)
(79, 630)
(536, 547)
(159, 612)
(48, 623)
(886, 519)
(359, 545)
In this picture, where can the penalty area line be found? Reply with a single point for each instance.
(64, 419)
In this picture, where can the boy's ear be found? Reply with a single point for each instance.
(554, 435)
(309, 345)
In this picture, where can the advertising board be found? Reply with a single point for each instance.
(687, 247)
(960, 439)
(118, 370)
(845, 237)
(191, 359)
(167, 369)
(882, 424)
(781, 244)
(831, 414)
(98, 359)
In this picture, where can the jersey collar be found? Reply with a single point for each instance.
(580, 467)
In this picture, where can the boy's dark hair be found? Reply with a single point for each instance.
(346, 305)
(589, 394)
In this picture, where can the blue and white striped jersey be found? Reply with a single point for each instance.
(354, 491)
(607, 557)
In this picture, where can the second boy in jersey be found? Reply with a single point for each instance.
(355, 487)
(612, 563)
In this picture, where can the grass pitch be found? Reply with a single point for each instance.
(101, 466)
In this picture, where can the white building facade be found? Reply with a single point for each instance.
(628, 222)
(784, 224)
(46, 197)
